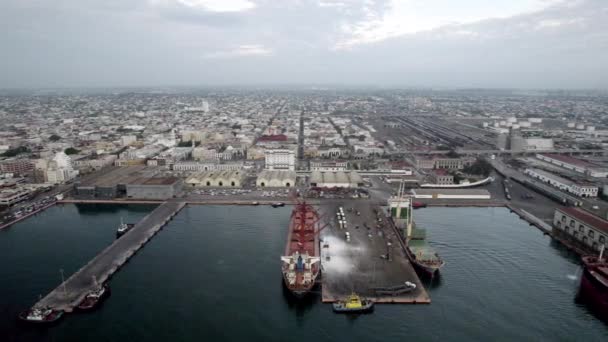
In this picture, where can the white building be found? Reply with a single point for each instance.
(574, 164)
(280, 159)
(269, 178)
(328, 165)
(60, 169)
(127, 140)
(578, 189)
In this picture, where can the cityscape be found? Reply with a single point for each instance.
(299, 209)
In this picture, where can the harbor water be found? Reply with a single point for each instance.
(213, 274)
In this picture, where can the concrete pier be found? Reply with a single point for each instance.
(360, 264)
(68, 295)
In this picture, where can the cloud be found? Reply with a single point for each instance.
(211, 5)
(240, 51)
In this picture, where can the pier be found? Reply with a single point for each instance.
(73, 290)
(367, 261)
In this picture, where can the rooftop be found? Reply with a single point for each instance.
(586, 217)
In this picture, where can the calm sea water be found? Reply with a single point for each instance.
(212, 274)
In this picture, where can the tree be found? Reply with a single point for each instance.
(54, 137)
(479, 167)
(452, 154)
(71, 150)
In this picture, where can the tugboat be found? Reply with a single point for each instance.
(278, 204)
(123, 228)
(93, 298)
(353, 304)
(40, 315)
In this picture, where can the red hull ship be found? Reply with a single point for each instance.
(301, 261)
(594, 283)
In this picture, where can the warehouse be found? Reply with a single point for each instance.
(451, 193)
(574, 164)
(581, 227)
(338, 179)
(227, 178)
(276, 179)
(576, 188)
(154, 188)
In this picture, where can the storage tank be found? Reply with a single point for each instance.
(571, 124)
(503, 123)
(590, 128)
(484, 125)
(580, 126)
(535, 120)
(525, 124)
(512, 119)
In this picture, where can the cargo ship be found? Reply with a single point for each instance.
(423, 256)
(594, 282)
(301, 261)
(418, 251)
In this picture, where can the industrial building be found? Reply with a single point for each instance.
(232, 179)
(109, 185)
(338, 179)
(581, 227)
(574, 164)
(277, 178)
(328, 165)
(451, 194)
(577, 188)
(154, 188)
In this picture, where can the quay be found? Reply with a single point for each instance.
(23, 217)
(358, 265)
(71, 292)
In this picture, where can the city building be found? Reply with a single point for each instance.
(582, 189)
(18, 166)
(574, 164)
(280, 159)
(482, 194)
(328, 165)
(580, 227)
(9, 197)
(441, 177)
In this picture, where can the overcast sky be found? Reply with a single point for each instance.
(428, 43)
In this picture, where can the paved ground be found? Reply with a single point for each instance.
(357, 265)
(66, 297)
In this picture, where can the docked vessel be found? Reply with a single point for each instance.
(40, 315)
(353, 304)
(301, 261)
(594, 282)
(417, 205)
(418, 251)
(278, 204)
(94, 298)
(123, 228)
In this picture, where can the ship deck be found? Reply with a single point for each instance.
(357, 265)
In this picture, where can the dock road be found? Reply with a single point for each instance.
(70, 293)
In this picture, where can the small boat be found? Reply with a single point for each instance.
(40, 315)
(353, 304)
(123, 228)
(278, 204)
(93, 298)
(255, 203)
(417, 205)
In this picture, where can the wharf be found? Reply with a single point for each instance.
(23, 217)
(70, 293)
(357, 265)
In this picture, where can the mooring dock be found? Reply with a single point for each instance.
(371, 258)
(70, 293)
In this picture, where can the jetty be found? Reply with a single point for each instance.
(73, 290)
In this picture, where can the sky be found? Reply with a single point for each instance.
(392, 43)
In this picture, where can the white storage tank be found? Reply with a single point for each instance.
(512, 119)
(484, 125)
(580, 126)
(571, 124)
(590, 128)
(535, 120)
(525, 124)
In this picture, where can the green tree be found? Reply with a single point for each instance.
(54, 137)
(479, 167)
(71, 150)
